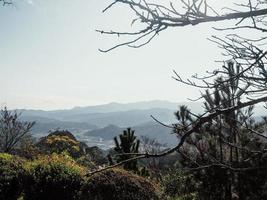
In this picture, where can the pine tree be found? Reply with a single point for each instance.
(128, 144)
(222, 140)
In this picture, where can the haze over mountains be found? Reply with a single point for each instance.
(129, 114)
(97, 125)
(109, 108)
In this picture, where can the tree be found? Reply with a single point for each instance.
(12, 130)
(6, 2)
(223, 150)
(155, 165)
(128, 144)
(238, 85)
(178, 185)
(245, 51)
(153, 17)
(153, 146)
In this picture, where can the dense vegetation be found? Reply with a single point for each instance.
(119, 184)
(60, 177)
(58, 169)
(11, 176)
(58, 166)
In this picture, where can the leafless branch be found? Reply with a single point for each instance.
(196, 126)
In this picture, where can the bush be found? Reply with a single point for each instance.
(53, 177)
(117, 184)
(60, 177)
(177, 185)
(96, 155)
(11, 175)
(60, 142)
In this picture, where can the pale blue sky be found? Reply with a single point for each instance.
(49, 57)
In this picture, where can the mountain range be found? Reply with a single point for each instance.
(129, 114)
(100, 123)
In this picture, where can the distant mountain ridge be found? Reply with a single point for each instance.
(119, 114)
(97, 125)
(83, 119)
(117, 107)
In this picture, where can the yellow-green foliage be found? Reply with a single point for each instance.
(53, 177)
(55, 161)
(54, 138)
(11, 175)
(59, 177)
(120, 185)
(61, 143)
(5, 157)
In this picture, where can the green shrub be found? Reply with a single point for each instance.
(11, 175)
(59, 142)
(117, 184)
(177, 185)
(87, 162)
(53, 177)
(59, 177)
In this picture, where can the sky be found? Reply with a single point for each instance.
(49, 57)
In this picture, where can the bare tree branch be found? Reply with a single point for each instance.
(195, 128)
